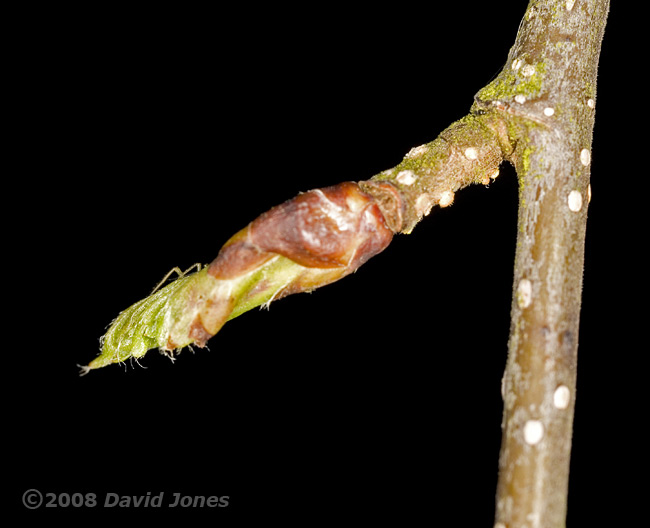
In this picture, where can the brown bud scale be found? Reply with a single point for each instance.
(335, 227)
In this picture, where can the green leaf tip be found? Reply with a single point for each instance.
(194, 307)
(141, 327)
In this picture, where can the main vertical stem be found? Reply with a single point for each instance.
(546, 95)
(540, 379)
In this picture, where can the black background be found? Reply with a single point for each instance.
(147, 138)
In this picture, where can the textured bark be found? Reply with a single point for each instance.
(550, 125)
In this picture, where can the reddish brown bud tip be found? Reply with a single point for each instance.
(324, 228)
(334, 230)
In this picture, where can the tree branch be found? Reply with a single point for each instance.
(538, 114)
(547, 94)
(309, 241)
